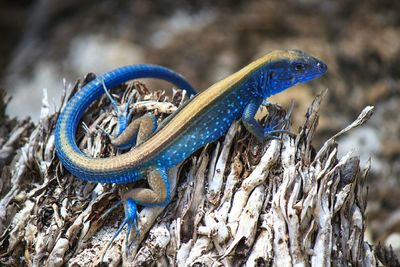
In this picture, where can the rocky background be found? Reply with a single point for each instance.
(45, 41)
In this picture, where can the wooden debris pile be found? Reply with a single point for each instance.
(236, 202)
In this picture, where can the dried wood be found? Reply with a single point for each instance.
(236, 202)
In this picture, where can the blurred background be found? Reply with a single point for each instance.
(44, 41)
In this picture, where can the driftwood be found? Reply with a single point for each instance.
(236, 202)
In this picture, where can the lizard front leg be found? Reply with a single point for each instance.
(253, 126)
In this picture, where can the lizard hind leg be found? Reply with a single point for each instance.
(136, 132)
(157, 195)
(127, 135)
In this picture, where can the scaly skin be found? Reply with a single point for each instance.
(67, 150)
(203, 120)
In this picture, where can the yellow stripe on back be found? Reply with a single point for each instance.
(165, 136)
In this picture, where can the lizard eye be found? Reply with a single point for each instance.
(299, 67)
(271, 74)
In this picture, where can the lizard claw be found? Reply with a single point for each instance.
(131, 215)
(130, 220)
(112, 100)
(269, 131)
(104, 132)
(123, 115)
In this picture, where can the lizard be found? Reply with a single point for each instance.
(203, 119)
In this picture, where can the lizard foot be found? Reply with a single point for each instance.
(122, 111)
(270, 131)
(129, 135)
(130, 220)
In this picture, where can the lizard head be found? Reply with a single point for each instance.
(286, 68)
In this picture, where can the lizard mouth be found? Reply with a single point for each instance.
(322, 67)
(319, 70)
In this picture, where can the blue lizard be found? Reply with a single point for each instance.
(204, 119)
